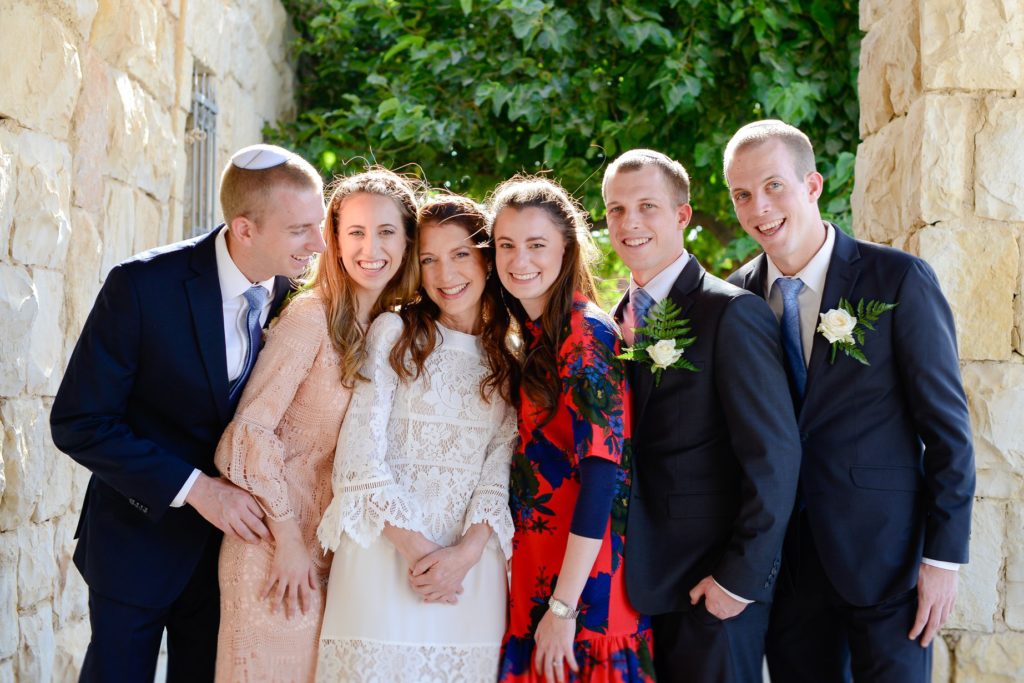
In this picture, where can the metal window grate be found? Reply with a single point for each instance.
(201, 139)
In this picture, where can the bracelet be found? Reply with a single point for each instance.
(562, 610)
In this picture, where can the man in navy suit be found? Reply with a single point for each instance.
(883, 513)
(152, 382)
(714, 472)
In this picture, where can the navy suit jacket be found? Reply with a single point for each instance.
(888, 465)
(143, 402)
(715, 464)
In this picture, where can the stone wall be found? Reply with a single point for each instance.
(93, 110)
(940, 173)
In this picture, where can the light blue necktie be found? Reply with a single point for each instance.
(792, 344)
(641, 303)
(256, 296)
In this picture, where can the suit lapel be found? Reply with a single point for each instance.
(682, 295)
(839, 283)
(282, 287)
(754, 279)
(208, 320)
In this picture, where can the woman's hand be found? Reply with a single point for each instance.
(553, 647)
(292, 577)
(411, 545)
(438, 576)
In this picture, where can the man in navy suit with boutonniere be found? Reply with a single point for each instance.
(883, 511)
(714, 469)
(153, 381)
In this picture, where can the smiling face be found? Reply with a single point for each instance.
(284, 237)
(645, 220)
(453, 272)
(775, 206)
(529, 250)
(371, 240)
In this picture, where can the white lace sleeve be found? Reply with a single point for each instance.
(366, 494)
(489, 504)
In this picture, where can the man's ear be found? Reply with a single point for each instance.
(683, 214)
(242, 229)
(815, 185)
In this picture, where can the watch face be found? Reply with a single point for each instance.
(560, 609)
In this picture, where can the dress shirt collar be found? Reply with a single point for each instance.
(232, 282)
(661, 284)
(813, 274)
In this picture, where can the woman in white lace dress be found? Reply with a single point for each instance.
(420, 523)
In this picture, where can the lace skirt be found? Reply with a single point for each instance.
(376, 629)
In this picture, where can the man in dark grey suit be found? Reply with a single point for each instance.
(883, 516)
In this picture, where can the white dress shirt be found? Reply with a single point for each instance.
(233, 285)
(813, 276)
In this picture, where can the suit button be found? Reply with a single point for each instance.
(767, 584)
(804, 436)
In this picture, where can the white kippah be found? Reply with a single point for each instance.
(259, 157)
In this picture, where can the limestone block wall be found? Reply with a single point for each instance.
(93, 108)
(940, 173)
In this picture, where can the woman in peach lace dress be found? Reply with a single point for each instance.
(280, 445)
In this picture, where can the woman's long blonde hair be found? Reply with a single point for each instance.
(334, 284)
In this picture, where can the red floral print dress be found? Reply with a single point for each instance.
(592, 418)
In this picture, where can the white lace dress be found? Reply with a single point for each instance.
(430, 456)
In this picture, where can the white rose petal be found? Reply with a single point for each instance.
(837, 325)
(664, 353)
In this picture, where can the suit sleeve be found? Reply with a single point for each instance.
(924, 341)
(754, 395)
(88, 416)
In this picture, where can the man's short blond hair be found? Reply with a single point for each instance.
(759, 132)
(244, 192)
(636, 159)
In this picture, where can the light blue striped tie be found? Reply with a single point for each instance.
(641, 304)
(792, 343)
(256, 296)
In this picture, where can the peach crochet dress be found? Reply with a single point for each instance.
(280, 446)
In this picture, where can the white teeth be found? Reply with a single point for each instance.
(301, 259)
(452, 291)
(524, 276)
(636, 241)
(372, 265)
(768, 227)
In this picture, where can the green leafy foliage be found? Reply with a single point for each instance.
(465, 93)
(662, 324)
(867, 314)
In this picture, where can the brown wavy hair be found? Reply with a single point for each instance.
(419, 333)
(334, 284)
(539, 370)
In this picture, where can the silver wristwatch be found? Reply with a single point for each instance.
(562, 610)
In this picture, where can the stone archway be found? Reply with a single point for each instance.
(940, 173)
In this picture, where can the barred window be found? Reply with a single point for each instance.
(201, 148)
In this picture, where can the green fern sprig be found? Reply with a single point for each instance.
(867, 314)
(662, 323)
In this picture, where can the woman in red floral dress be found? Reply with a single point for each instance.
(570, 618)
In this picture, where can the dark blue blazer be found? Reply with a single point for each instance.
(888, 465)
(143, 402)
(714, 464)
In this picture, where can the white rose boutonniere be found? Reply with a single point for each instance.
(662, 340)
(844, 327)
(664, 353)
(837, 325)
